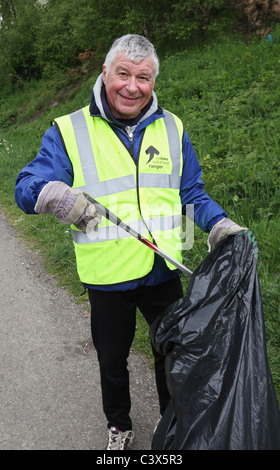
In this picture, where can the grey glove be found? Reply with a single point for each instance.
(222, 229)
(69, 205)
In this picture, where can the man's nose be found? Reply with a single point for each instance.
(131, 85)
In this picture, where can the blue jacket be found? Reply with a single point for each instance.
(53, 164)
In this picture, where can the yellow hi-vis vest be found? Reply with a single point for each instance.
(144, 195)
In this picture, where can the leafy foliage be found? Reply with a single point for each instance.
(18, 36)
(261, 14)
(41, 37)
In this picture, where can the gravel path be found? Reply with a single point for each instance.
(50, 387)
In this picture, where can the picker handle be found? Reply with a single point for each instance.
(117, 221)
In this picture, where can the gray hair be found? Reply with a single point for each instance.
(136, 48)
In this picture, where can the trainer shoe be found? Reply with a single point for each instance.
(119, 440)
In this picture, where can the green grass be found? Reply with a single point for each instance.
(228, 96)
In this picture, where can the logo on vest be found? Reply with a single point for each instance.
(158, 161)
(152, 152)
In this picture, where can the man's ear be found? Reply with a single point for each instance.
(104, 76)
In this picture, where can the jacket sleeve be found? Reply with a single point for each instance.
(50, 164)
(206, 211)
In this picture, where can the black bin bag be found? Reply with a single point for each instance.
(222, 394)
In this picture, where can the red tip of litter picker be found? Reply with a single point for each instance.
(149, 244)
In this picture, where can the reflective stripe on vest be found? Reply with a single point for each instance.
(112, 232)
(104, 256)
(90, 173)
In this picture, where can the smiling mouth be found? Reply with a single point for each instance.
(127, 98)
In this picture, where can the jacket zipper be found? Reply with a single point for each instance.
(137, 181)
(131, 152)
(130, 135)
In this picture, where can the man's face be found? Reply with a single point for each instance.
(129, 85)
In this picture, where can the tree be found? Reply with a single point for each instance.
(18, 36)
(8, 9)
(261, 14)
(56, 44)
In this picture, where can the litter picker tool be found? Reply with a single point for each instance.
(117, 221)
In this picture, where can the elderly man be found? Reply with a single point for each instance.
(136, 158)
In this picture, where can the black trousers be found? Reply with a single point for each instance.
(113, 320)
